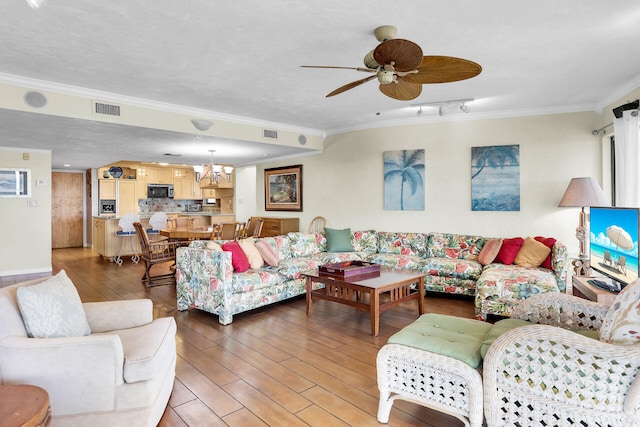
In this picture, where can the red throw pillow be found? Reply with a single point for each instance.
(509, 250)
(548, 242)
(238, 257)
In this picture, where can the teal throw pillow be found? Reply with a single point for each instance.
(52, 309)
(338, 240)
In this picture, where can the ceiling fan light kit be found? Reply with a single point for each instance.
(401, 68)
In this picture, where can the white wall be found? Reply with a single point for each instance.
(245, 203)
(345, 183)
(25, 232)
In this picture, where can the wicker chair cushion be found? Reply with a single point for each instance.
(451, 336)
(621, 325)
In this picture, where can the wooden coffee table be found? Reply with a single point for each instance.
(397, 283)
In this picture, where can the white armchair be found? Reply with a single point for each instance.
(546, 375)
(122, 373)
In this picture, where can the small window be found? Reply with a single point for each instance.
(15, 182)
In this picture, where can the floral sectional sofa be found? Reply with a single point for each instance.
(205, 278)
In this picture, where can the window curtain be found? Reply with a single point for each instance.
(627, 159)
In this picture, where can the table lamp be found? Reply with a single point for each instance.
(583, 192)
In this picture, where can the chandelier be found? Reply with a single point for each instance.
(212, 174)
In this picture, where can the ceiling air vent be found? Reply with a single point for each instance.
(271, 134)
(106, 109)
(172, 154)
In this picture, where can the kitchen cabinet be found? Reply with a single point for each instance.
(107, 243)
(278, 226)
(127, 201)
(184, 185)
(157, 175)
(141, 188)
(107, 189)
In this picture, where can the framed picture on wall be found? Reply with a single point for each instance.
(283, 189)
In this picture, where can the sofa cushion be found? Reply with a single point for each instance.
(306, 244)
(268, 253)
(292, 268)
(532, 253)
(404, 262)
(338, 240)
(213, 246)
(238, 258)
(455, 246)
(451, 336)
(621, 325)
(332, 257)
(489, 251)
(458, 268)
(252, 280)
(148, 350)
(253, 255)
(52, 309)
(403, 243)
(365, 241)
(509, 250)
(549, 242)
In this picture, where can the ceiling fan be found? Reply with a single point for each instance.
(402, 70)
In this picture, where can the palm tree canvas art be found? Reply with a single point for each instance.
(495, 178)
(404, 180)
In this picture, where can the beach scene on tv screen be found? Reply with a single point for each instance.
(614, 243)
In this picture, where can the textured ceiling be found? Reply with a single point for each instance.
(242, 59)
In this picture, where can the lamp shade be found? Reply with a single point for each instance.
(583, 192)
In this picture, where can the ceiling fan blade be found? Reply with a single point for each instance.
(402, 91)
(368, 70)
(405, 54)
(443, 69)
(350, 85)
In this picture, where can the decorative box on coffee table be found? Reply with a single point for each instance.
(350, 270)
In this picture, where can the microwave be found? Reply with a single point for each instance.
(158, 191)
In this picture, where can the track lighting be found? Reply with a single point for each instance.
(442, 105)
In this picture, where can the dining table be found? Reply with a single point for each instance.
(186, 233)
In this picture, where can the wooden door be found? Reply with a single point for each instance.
(66, 210)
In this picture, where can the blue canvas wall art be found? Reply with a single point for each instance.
(495, 178)
(404, 180)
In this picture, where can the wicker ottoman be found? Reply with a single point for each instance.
(434, 362)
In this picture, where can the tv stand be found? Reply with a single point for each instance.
(583, 289)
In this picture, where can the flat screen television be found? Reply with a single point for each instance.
(613, 243)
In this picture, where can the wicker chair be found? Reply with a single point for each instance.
(547, 375)
(317, 224)
(540, 374)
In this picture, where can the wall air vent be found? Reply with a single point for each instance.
(106, 109)
(271, 134)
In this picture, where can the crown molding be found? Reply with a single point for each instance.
(29, 83)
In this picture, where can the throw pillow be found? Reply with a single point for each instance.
(252, 253)
(621, 325)
(213, 246)
(338, 240)
(489, 251)
(549, 242)
(52, 309)
(532, 253)
(269, 255)
(238, 258)
(509, 250)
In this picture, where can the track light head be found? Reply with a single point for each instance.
(465, 108)
(441, 110)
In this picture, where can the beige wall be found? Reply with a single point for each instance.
(344, 184)
(25, 232)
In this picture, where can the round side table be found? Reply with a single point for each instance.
(24, 405)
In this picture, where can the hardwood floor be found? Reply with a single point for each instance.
(273, 366)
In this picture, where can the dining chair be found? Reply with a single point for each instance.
(254, 227)
(156, 253)
(228, 231)
(185, 222)
(317, 224)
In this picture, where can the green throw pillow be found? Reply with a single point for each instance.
(338, 240)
